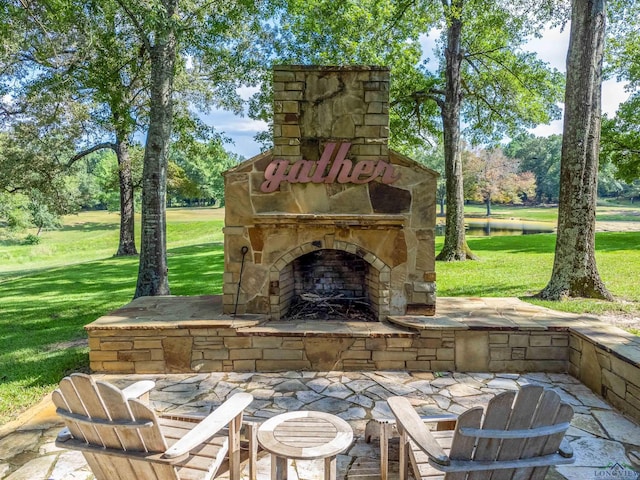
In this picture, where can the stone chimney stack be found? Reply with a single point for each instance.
(314, 105)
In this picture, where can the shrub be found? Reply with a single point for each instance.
(32, 239)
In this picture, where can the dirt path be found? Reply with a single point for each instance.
(617, 226)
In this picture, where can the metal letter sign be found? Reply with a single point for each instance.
(342, 170)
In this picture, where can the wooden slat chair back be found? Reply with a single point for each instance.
(123, 439)
(518, 436)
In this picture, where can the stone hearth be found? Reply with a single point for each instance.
(331, 189)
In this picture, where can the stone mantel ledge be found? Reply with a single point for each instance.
(115, 323)
(330, 219)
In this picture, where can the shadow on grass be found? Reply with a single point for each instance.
(90, 226)
(617, 241)
(538, 243)
(13, 242)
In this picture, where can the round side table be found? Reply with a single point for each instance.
(304, 436)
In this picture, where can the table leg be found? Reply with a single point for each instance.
(330, 468)
(278, 468)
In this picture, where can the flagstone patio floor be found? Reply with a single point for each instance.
(605, 442)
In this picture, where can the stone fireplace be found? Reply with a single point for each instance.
(330, 215)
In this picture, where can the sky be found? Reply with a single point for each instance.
(551, 48)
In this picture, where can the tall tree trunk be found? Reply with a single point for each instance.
(488, 205)
(127, 245)
(574, 269)
(455, 244)
(153, 271)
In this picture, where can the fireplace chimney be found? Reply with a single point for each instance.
(317, 105)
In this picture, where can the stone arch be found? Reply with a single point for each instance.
(378, 276)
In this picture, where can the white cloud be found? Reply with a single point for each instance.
(246, 92)
(613, 94)
(552, 47)
(241, 130)
(546, 130)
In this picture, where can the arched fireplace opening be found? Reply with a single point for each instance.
(329, 284)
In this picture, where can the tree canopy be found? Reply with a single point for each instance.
(621, 134)
(80, 76)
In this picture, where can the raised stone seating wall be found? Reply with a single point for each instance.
(189, 334)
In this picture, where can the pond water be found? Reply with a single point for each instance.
(491, 228)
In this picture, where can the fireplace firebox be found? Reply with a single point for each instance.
(330, 217)
(329, 284)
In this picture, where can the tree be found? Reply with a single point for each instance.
(483, 77)
(35, 168)
(574, 269)
(621, 139)
(42, 217)
(608, 184)
(84, 53)
(220, 41)
(195, 173)
(541, 156)
(490, 82)
(102, 52)
(161, 44)
(491, 177)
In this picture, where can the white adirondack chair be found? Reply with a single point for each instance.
(516, 437)
(123, 439)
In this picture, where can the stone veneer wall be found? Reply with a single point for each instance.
(609, 370)
(225, 347)
(390, 226)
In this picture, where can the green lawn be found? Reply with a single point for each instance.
(51, 290)
(520, 266)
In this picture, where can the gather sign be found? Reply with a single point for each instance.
(342, 170)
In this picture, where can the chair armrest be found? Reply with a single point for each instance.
(204, 430)
(408, 420)
(565, 449)
(444, 421)
(136, 390)
(64, 435)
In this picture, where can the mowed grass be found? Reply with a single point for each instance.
(94, 235)
(50, 291)
(521, 265)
